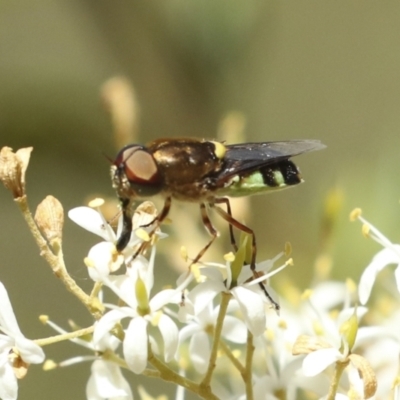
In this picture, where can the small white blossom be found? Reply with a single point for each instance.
(201, 327)
(134, 290)
(247, 293)
(95, 222)
(16, 351)
(389, 255)
(106, 381)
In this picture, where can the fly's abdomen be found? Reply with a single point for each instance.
(272, 177)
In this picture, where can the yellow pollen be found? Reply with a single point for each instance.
(318, 328)
(288, 249)
(229, 257)
(184, 253)
(49, 365)
(95, 203)
(43, 319)
(355, 214)
(306, 294)
(88, 262)
(365, 230)
(142, 234)
(282, 324)
(351, 285)
(269, 334)
(196, 271)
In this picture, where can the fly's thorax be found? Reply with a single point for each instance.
(187, 161)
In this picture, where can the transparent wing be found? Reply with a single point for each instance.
(247, 157)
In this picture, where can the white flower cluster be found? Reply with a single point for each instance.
(179, 314)
(218, 325)
(16, 351)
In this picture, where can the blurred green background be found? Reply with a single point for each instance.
(296, 69)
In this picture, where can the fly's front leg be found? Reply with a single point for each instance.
(127, 226)
(157, 220)
(126, 233)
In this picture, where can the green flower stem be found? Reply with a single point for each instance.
(236, 363)
(339, 368)
(64, 336)
(247, 375)
(169, 375)
(225, 298)
(56, 263)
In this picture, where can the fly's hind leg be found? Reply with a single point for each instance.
(225, 200)
(227, 216)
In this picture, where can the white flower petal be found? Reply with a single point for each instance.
(92, 392)
(317, 361)
(124, 287)
(204, 293)
(234, 330)
(188, 331)
(336, 290)
(199, 351)
(8, 383)
(169, 332)
(381, 260)
(107, 382)
(91, 220)
(397, 277)
(135, 345)
(103, 261)
(253, 309)
(162, 298)
(30, 352)
(7, 317)
(106, 323)
(212, 273)
(6, 342)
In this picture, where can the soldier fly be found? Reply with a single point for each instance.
(204, 172)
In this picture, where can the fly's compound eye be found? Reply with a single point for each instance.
(140, 169)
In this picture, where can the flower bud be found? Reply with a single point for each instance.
(349, 330)
(142, 297)
(49, 217)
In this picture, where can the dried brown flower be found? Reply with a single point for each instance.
(13, 167)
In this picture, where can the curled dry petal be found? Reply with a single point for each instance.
(50, 218)
(306, 344)
(13, 167)
(366, 373)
